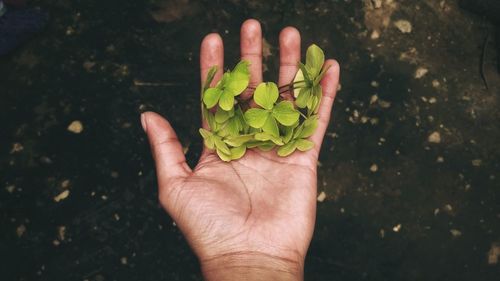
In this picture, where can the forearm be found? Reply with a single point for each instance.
(252, 267)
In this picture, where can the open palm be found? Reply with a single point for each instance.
(260, 205)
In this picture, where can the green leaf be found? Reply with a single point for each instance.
(252, 144)
(305, 72)
(289, 132)
(309, 127)
(287, 149)
(314, 60)
(224, 156)
(298, 83)
(238, 140)
(304, 95)
(315, 104)
(318, 93)
(242, 68)
(210, 119)
(210, 77)
(266, 95)
(238, 79)
(267, 146)
(205, 133)
(304, 145)
(256, 117)
(321, 75)
(238, 152)
(232, 127)
(221, 145)
(285, 113)
(209, 143)
(238, 114)
(222, 116)
(226, 101)
(208, 138)
(271, 127)
(263, 136)
(211, 97)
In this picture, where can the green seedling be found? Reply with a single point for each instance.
(307, 90)
(271, 113)
(232, 84)
(233, 127)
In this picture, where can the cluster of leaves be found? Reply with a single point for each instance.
(287, 125)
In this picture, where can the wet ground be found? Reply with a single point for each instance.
(410, 166)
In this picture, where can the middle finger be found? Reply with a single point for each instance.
(251, 51)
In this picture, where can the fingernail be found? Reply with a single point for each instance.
(144, 123)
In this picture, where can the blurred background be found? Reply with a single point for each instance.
(409, 173)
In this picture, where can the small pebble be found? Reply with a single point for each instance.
(75, 127)
(65, 184)
(448, 208)
(16, 147)
(373, 168)
(20, 230)
(10, 188)
(420, 72)
(476, 162)
(63, 195)
(384, 104)
(494, 253)
(377, 4)
(403, 25)
(435, 83)
(124, 260)
(455, 232)
(321, 196)
(61, 232)
(397, 228)
(435, 137)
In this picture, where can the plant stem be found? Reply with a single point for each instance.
(290, 84)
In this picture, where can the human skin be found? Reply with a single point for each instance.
(253, 218)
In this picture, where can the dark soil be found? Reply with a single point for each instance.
(410, 165)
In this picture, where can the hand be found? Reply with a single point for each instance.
(254, 217)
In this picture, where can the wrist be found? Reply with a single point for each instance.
(251, 266)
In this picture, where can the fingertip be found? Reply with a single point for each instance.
(211, 41)
(155, 124)
(334, 66)
(289, 35)
(252, 26)
(251, 51)
(212, 51)
(211, 54)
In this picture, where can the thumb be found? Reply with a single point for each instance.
(165, 147)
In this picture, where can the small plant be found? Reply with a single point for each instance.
(276, 123)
